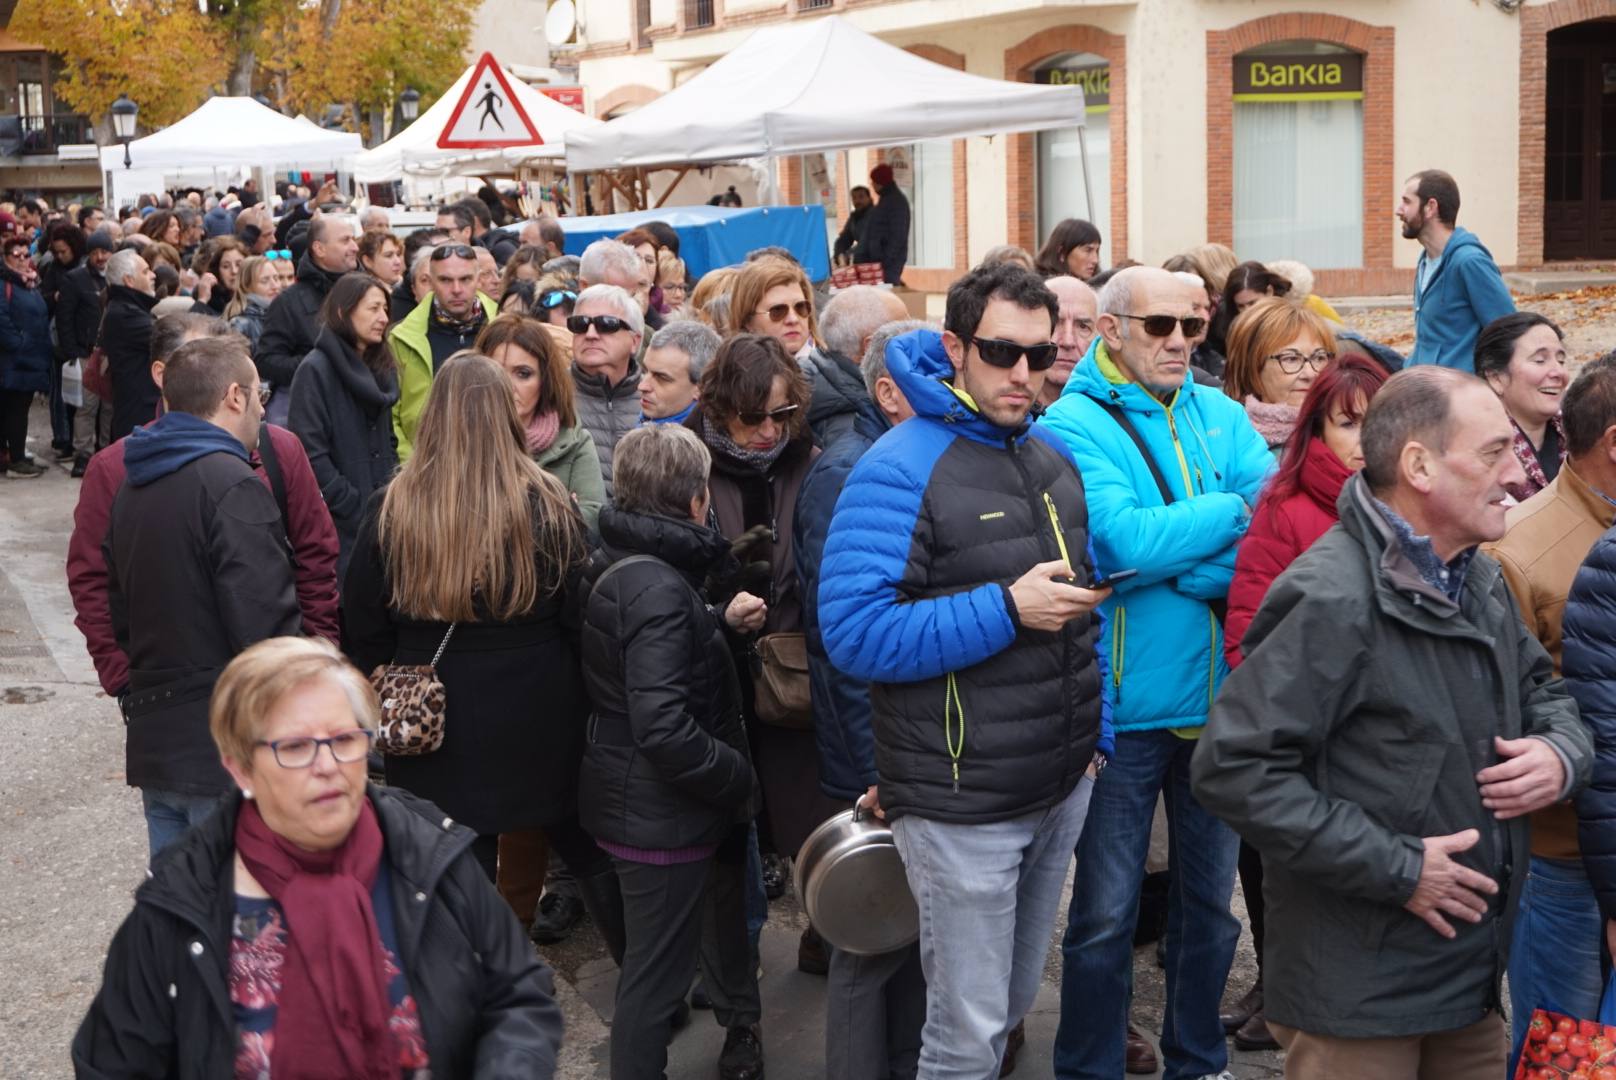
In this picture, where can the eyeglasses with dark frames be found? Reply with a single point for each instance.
(299, 752)
(453, 251)
(603, 324)
(1290, 361)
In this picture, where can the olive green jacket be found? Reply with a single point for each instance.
(1366, 705)
(571, 459)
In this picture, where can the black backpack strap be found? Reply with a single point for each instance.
(277, 482)
(1116, 413)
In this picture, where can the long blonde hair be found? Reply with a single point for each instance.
(469, 509)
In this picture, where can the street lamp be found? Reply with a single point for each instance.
(124, 113)
(409, 104)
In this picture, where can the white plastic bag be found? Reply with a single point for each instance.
(73, 383)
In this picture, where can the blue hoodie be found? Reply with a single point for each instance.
(1162, 638)
(172, 442)
(1464, 294)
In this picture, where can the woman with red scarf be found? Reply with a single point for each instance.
(314, 927)
(1297, 507)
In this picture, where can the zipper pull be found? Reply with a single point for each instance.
(956, 778)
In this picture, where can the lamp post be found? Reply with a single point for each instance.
(409, 104)
(124, 113)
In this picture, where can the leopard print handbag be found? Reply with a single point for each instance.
(413, 703)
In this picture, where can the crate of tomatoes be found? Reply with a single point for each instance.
(1558, 1047)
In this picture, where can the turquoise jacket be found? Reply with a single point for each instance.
(1162, 639)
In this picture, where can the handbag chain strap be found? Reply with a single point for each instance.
(444, 644)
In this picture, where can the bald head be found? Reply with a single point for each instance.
(1158, 363)
(1074, 330)
(854, 314)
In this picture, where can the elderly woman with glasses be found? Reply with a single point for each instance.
(315, 925)
(1277, 348)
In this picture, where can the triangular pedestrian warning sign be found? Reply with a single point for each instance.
(488, 114)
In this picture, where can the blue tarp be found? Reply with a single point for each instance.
(714, 236)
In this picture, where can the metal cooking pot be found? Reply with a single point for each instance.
(851, 882)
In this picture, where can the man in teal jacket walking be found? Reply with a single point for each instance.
(1170, 473)
(1457, 286)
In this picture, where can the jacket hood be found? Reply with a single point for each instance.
(686, 546)
(836, 389)
(172, 442)
(144, 301)
(917, 363)
(314, 275)
(566, 442)
(373, 391)
(188, 877)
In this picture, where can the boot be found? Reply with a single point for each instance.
(1237, 1014)
(603, 897)
(1140, 1056)
(1012, 1046)
(1254, 1035)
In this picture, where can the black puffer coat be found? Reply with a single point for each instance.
(666, 762)
(126, 330)
(486, 1001)
(292, 324)
(1589, 659)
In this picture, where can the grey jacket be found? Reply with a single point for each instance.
(607, 412)
(1366, 705)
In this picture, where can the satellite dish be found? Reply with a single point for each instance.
(560, 23)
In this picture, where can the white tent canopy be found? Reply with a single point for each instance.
(816, 87)
(231, 132)
(415, 149)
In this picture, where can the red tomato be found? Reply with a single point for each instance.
(1577, 1045)
(1598, 1045)
(1565, 1063)
(1537, 1053)
(1556, 1042)
(1539, 1028)
(1589, 1028)
(1565, 1025)
(1605, 1072)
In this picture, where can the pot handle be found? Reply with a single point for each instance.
(858, 809)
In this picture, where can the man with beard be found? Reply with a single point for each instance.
(1074, 330)
(1457, 286)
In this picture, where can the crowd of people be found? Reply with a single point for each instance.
(1110, 560)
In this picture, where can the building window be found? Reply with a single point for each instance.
(1298, 154)
(1060, 185)
(698, 14)
(924, 172)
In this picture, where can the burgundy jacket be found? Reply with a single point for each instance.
(310, 530)
(1280, 530)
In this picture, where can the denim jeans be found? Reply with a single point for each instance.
(1097, 977)
(169, 814)
(987, 896)
(1557, 951)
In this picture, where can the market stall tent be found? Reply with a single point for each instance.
(815, 87)
(231, 132)
(415, 150)
(714, 236)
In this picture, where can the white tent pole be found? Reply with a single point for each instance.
(574, 194)
(1088, 184)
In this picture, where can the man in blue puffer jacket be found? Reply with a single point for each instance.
(1163, 640)
(955, 580)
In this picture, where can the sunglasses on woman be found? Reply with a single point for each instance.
(755, 419)
(778, 312)
(605, 324)
(1162, 325)
(1006, 354)
(556, 297)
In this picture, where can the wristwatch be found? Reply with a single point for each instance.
(1097, 765)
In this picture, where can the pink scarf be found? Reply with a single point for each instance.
(1273, 422)
(542, 431)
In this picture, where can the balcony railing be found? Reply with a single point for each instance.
(698, 14)
(45, 134)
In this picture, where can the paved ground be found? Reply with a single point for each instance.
(73, 847)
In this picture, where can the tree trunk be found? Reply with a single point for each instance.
(330, 11)
(241, 75)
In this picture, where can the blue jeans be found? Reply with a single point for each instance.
(169, 814)
(1557, 951)
(1097, 976)
(987, 896)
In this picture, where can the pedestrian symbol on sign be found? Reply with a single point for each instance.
(488, 112)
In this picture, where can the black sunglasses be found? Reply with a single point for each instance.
(777, 313)
(453, 251)
(1162, 325)
(606, 324)
(755, 419)
(1006, 354)
(556, 297)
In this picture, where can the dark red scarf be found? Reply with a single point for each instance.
(333, 1013)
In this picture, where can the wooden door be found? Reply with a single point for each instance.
(1579, 167)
